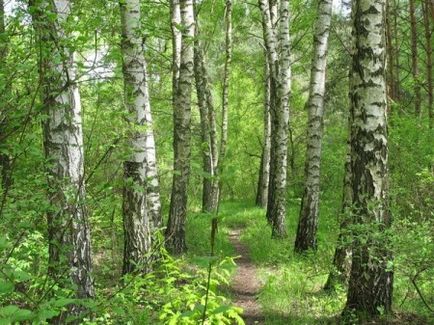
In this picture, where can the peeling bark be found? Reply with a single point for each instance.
(371, 280)
(280, 70)
(68, 229)
(140, 194)
(309, 212)
(175, 231)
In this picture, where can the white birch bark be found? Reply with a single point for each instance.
(175, 231)
(141, 206)
(264, 170)
(309, 212)
(68, 229)
(175, 19)
(279, 59)
(371, 279)
(225, 97)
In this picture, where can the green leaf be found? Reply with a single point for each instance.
(3, 243)
(45, 314)
(22, 315)
(6, 287)
(12, 313)
(63, 302)
(221, 309)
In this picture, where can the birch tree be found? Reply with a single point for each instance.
(141, 201)
(225, 95)
(68, 228)
(175, 231)
(175, 19)
(280, 70)
(370, 284)
(309, 212)
(264, 169)
(207, 125)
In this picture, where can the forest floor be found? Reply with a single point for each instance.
(245, 284)
(273, 285)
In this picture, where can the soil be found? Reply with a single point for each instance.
(245, 285)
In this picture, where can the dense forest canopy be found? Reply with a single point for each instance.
(216, 162)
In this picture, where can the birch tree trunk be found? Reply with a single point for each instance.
(280, 90)
(309, 212)
(141, 206)
(269, 14)
(225, 96)
(264, 170)
(370, 284)
(208, 127)
(175, 231)
(213, 201)
(429, 66)
(68, 229)
(414, 59)
(175, 15)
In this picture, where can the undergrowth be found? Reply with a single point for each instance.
(293, 285)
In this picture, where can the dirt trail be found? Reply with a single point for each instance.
(245, 284)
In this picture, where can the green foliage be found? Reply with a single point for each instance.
(173, 293)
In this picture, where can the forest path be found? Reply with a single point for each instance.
(245, 285)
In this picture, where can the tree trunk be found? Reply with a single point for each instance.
(175, 13)
(68, 229)
(370, 285)
(278, 211)
(309, 212)
(204, 126)
(208, 127)
(213, 201)
(428, 45)
(268, 14)
(225, 97)
(137, 209)
(280, 90)
(414, 59)
(264, 170)
(175, 231)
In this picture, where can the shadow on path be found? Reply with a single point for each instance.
(245, 285)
